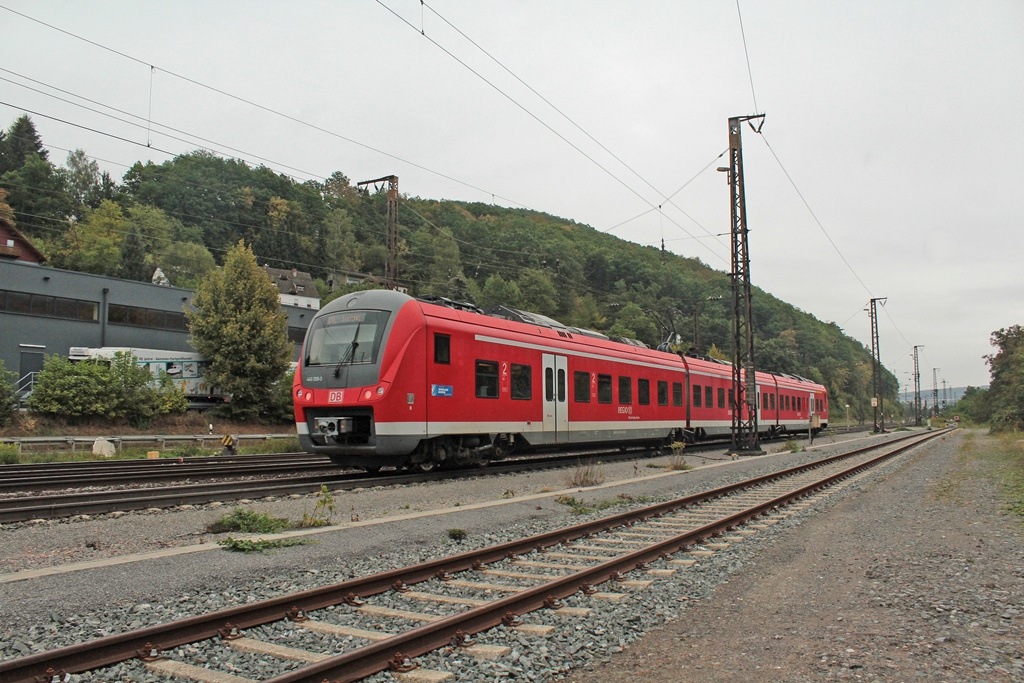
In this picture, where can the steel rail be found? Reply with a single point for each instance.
(175, 470)
(145, 641)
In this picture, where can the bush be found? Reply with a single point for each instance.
(9, 454)
(120, 390)
(8, 395)
(250, 522)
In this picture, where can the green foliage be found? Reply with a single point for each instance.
(239, 324)
(1006, 393)
(8, 395)
(9, 454)
(249, 522)
(243, 545)
(119, 390)
(72, 390)
(585, 475)
(793, 446)
(322, 512)
(457, 535)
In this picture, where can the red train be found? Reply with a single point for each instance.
(389, 380)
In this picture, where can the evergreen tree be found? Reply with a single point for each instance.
(20, 143)
(239, 326)
(134, 264)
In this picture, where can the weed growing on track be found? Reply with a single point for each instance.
(242, 545)
(249, 522)
(457, 535)
(585, 475)
(581, 508)
(677, 463)
(323, 512)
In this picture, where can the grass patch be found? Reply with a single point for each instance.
(9, 454)
(249, 522)
(457, 535)
(585, 475)
(242, 545)
(996, 458)
(323, 511)
(580, 508)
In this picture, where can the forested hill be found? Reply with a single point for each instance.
(182, 215)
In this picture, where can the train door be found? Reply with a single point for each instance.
(556, 409)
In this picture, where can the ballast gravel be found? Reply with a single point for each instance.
(889, 583)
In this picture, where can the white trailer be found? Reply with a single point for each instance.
(186, 369)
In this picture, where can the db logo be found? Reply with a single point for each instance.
(335, 396)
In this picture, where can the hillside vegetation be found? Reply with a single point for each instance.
(183, 215)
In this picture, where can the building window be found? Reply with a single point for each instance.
(153, 318)
(677, 393)
(522, 382)
(48, 306)
(625, 390)
(604, 388)
(487, 379)
(442, 349)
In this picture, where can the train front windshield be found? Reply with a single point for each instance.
(344, 338)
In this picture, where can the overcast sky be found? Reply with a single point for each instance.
(891, 160)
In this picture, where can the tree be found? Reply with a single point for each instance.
(38, 195)
(94, 244)
(185, 263)
(134, 264)
(83, 181)
(1006, 393)
(21, 142)
(239, 326)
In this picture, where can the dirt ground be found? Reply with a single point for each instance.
(919, 576)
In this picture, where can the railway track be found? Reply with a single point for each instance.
(114, 486)
(527, 586)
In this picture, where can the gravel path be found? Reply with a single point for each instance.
(894, 582)
(901, 581)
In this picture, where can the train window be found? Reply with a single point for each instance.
(604, 388)
(348, 337)
(581, 387)
(799, 402)
(709, 398)
(442, 349)
(786, 397)
(522, 382)
(677, 393)
(696, 395)
(625, 390)
(732, 401)
(772, 397)
(643, 391)
(561, 386)
(721, 397)
(662, 392)
(764, 401)
(549, 384)
(487, 379)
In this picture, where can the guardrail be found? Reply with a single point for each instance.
(163, 439)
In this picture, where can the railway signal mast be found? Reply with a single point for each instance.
(876, 374)
(917, 388)
(391, 268)
(744, 421)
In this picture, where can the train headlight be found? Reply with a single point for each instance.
(298, 393)
(368, 394)
(380, 391)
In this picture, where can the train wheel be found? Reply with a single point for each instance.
(426, 466)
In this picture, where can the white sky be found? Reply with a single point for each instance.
(897, 122)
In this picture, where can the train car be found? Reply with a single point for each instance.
(388, 380)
